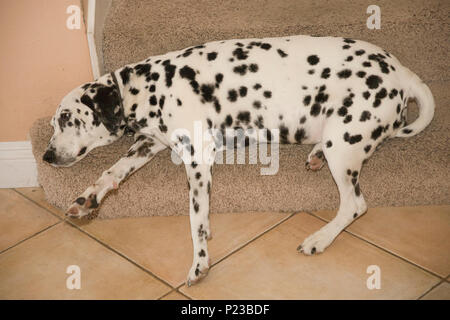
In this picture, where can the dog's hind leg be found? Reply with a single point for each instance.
(345, 161)
(139, 154)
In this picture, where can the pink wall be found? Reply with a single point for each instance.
(40, 61)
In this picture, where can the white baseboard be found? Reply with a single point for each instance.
(17, 165)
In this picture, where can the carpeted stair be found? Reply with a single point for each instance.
(412, 171)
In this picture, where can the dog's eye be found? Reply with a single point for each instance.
(65, 116)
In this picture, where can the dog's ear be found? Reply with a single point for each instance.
(104, 101)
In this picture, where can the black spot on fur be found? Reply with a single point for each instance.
(325, 73)
(134, 91)
(187, 73)
(232, 95)
(284, 132)
(313, 59)
(361, 74)
(365, 115)
(244, 116)
(219, 79)
(153, 101)
(282, 53)
(348, 118)
(170, 72)
(211, 56)
(373, 81)
(393, 93)
(315, 109)
(243, 91)
(207, 92)
(267, 94)
(342, 111)
(242, 69)
(300, 135)
(366, 95)
(125, 75)
(357, 191)
(240, 54)
(352, 139)
(253, 67)
(344, 74)
(377, 133)
(407, 131)
(307, 100)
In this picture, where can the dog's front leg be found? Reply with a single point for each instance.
(199, 181)
(139, 154)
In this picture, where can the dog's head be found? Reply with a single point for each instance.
(88, 117)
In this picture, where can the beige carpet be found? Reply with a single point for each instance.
(411, 171)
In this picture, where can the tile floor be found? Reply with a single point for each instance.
(253, 255)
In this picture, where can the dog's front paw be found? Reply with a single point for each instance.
(83, 206)
(316, 243)
(198, 271)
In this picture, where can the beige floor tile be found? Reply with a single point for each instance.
(417, 234)
(271, 268)
(441, 292)
(163, 244)
(37, 195)
(174, 296)
(20, 218)
(36, 269)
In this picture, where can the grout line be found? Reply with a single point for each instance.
(118, 253)
(241, 247)
(381, 248)
(429, 290)
(166, 294)
(252, 240)
(27, 238)
(176, 291)
(185, 295)
(39, 205)
(220, 260)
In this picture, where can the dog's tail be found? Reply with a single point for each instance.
(417, 89)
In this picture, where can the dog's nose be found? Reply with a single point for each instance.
(49, 156)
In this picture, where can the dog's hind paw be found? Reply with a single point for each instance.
(316, 243)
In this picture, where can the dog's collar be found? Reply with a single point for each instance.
(113, 76)
(128, 130)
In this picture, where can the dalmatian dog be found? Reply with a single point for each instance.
(343, 96)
